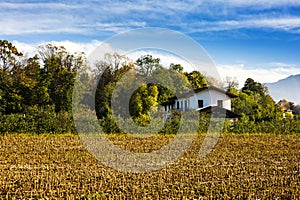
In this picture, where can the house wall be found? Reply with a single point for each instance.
(210, 98)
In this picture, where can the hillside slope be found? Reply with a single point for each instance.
(288, 88)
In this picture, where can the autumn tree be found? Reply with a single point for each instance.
(107, 73)
(251, 85)
(176, 67)
(255, 102)
(59, 72)
(196, 79)
(230, 83)
(10, 57)
(147, 64)
(10, 64)
(141, 103)
(31, 84)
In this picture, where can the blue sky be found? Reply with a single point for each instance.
(245, 38)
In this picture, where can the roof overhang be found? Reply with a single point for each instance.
(218, 112)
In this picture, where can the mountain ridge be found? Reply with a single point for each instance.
(287, 88)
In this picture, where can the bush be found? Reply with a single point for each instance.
(37, 120)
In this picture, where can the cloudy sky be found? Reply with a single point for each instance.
(245, 38)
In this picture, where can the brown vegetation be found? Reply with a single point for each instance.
(264, 167)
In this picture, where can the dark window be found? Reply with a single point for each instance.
(220, 103)
(177, 104)
(200, 103)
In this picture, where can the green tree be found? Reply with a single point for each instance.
(196, 79)
(59, 73)
(147, 64)
(107, 73)
(251, 85)
(10, 64)
(9, 55)
(142, 103)
(255, 102)
(31, 84)
(176, 67)
(230, 83)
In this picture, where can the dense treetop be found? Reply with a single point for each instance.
(46, 80)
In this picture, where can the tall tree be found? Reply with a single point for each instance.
(196, 79)
(251, 85)
(59, 72)
(147, 64)
(108, 72)
(10, 64)
(142, 102)
(256, 103)
(176, 67)
(231, 83)
(9, 55)
(30, 83)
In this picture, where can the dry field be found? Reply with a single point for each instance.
(242, 167)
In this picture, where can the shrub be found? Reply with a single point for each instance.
(37, 120)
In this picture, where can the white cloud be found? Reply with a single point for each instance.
(72, 47)
(27, 49)
(280, 65)
(166, 58)
(115, 27)
(32, 24)
(125, 6)
(261, 75)
(263, 3)
(289, 24)
(87, 17)
(274, 72)
(7, 5)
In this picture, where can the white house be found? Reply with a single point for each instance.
(207, 99)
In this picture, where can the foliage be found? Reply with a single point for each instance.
(176, 67)
(9, 56)
(41, 88)
(59, 70)
(37, 120)
(10, 64)
(36, 92)
(196, 79)
(255, 102)
(147, 64)
(231, 83)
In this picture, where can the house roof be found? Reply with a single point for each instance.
(219, 112)
(199, 90)
(231, 95)
(191, 93)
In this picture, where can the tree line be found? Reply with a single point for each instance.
(36, 92)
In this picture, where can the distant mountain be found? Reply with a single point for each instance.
(288, 88)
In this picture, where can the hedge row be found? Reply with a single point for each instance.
(283, 126)
(37, 121)
(46, 120)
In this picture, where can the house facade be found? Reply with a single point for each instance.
(207, 99)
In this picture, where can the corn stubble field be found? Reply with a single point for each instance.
(59, 167)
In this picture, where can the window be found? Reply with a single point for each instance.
(220, 103)
(177, 104)
(200, 103)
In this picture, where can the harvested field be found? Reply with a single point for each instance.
(59, 167)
